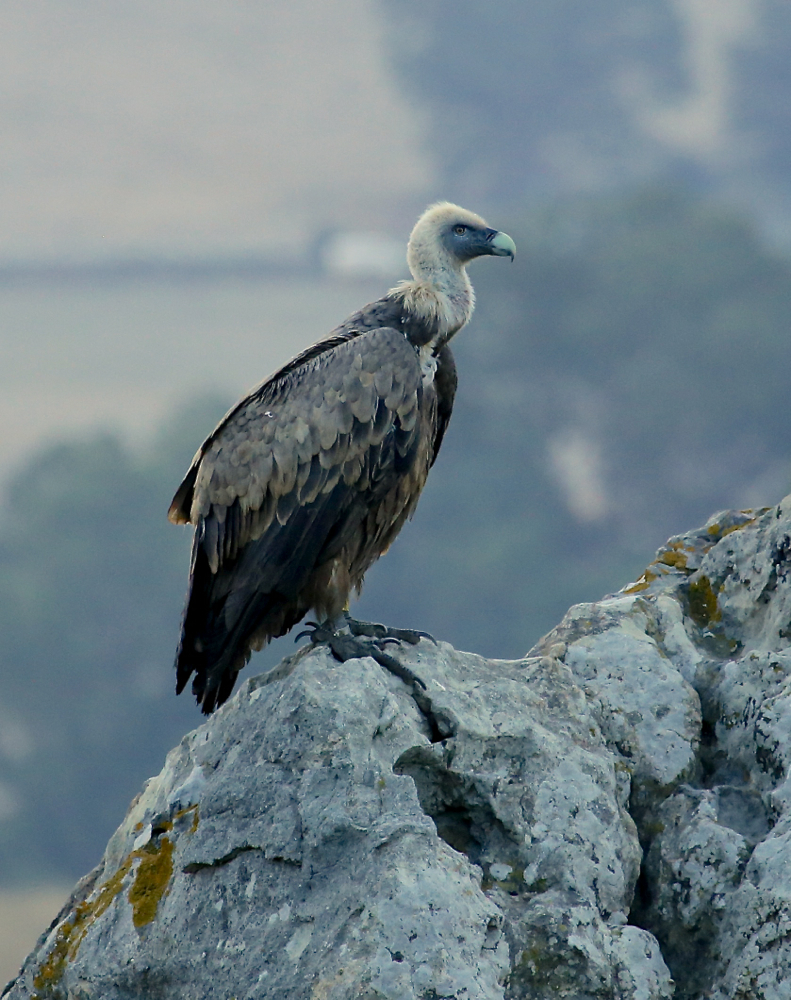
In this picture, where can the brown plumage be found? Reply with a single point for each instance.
(307, 480)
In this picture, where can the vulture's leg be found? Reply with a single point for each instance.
(382, 633)
(345, 646)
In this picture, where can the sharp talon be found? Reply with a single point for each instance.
(310, 632)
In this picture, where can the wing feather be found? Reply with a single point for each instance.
(260, 449)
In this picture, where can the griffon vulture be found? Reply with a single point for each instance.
(307, 480)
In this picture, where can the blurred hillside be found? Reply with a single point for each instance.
(554, 96)
(620, 382)
(198, 128)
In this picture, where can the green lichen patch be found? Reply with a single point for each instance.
(194, 809)
(71, 933)
(675, 554)
(735, 522)
(538, 966)
(151, 880)
(152, 877)
(703, 607)
(736, 527)
(674, 558)
(643, 583)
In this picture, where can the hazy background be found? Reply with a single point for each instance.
(193, 192)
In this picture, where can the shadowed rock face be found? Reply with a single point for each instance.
(567, 825)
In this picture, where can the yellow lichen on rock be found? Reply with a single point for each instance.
(643, 583)
(703, 607)
(717, 528)
(195, 810)
(71, 933)
(737, 527)
(151, 880)
(676, 559)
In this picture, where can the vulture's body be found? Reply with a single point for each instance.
(308, 479)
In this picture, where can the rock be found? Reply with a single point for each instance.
(583, 823)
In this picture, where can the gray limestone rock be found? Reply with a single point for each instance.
(583, 823)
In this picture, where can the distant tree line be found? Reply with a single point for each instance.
(554, 96)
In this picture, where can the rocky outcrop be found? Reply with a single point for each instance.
(715, 607)
(610, 812)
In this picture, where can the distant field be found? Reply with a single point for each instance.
(122, 354)
(24, 914)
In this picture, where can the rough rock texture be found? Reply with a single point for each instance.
(573, 824)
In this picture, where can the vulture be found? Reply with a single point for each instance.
(308, 479)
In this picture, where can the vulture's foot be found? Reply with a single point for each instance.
(345, 646)
(384, 634)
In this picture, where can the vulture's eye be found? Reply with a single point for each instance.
(460, 230)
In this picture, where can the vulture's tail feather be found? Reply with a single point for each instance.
(258, 594)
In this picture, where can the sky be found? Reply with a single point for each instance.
(198, 127)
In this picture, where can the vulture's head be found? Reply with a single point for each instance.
(447, 237)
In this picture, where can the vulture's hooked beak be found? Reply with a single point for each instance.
(501, 245)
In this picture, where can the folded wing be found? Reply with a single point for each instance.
(299, 489)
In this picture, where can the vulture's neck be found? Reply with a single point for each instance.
(441, 300)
